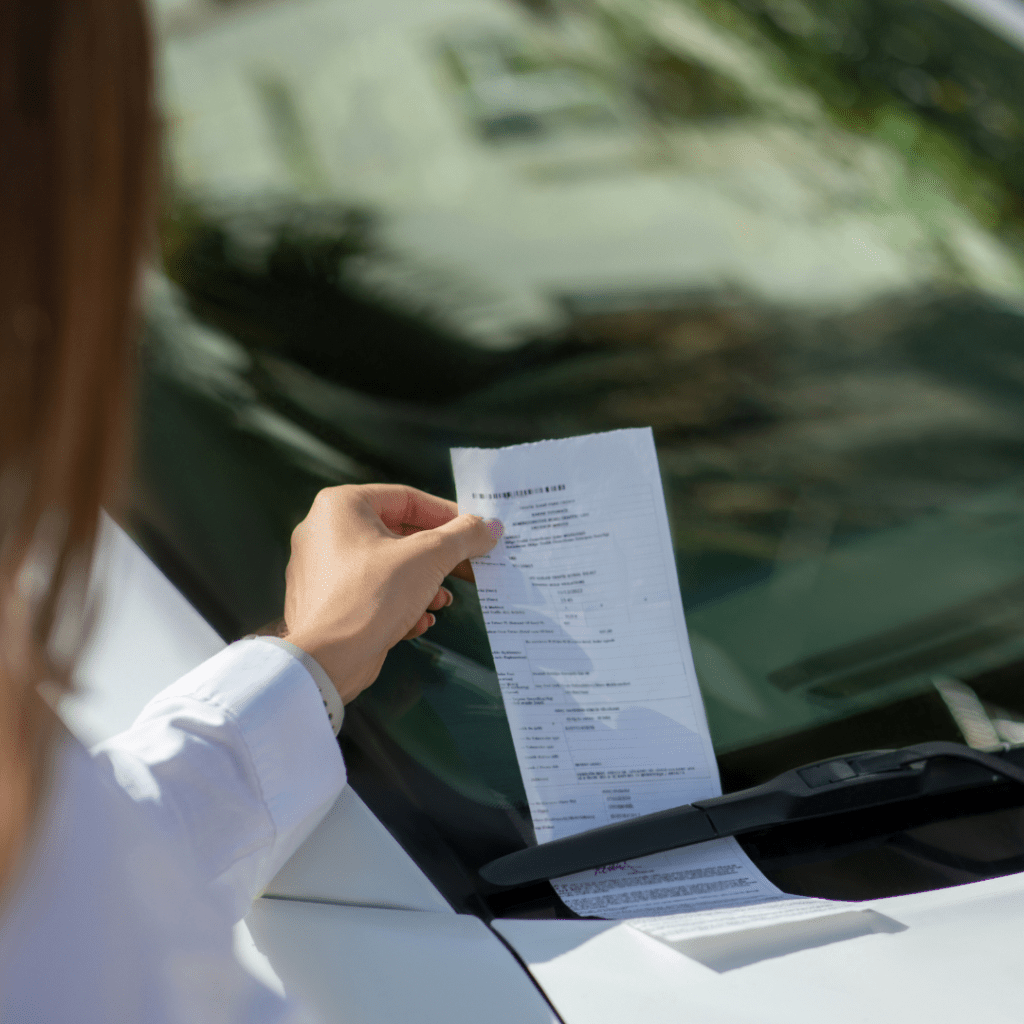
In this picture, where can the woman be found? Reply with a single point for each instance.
(122, 871)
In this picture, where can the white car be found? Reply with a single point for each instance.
(786, 235)
(354, 926)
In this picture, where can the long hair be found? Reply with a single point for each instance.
(77, 174)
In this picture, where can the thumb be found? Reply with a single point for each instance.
(463, 537)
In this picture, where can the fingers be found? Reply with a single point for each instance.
(405, 509)
(442, 599)
(462, 538)
(426, 620)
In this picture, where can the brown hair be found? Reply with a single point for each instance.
(77, 167)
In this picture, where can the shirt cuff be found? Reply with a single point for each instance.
(328, 691)
(238, 759)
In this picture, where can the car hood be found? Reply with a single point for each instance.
(946, 955)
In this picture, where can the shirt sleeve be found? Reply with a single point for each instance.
(234, 765)
(328, 692)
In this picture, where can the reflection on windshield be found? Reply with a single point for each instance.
(786, 236)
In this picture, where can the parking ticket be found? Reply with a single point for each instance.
(585, 619)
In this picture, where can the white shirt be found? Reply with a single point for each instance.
(155, 844)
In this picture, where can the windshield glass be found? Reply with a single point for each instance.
(787, 236)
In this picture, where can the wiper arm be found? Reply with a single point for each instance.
(850, 783)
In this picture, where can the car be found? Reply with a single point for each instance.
(354, 926)
(784, 235)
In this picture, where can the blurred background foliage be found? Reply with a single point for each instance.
(786, 235)
(309, 284)
(921, 76)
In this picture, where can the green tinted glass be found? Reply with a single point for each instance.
(787, 236)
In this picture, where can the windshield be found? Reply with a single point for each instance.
(787, 236)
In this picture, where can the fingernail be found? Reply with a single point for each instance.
(449, 595)
(433, 619)
(494, 528)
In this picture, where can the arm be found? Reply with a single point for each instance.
(236, 763)
(233, 766)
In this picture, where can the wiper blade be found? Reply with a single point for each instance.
(849, 783)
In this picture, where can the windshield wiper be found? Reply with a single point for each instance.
(850, 783)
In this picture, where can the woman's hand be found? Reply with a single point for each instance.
(366, 571)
